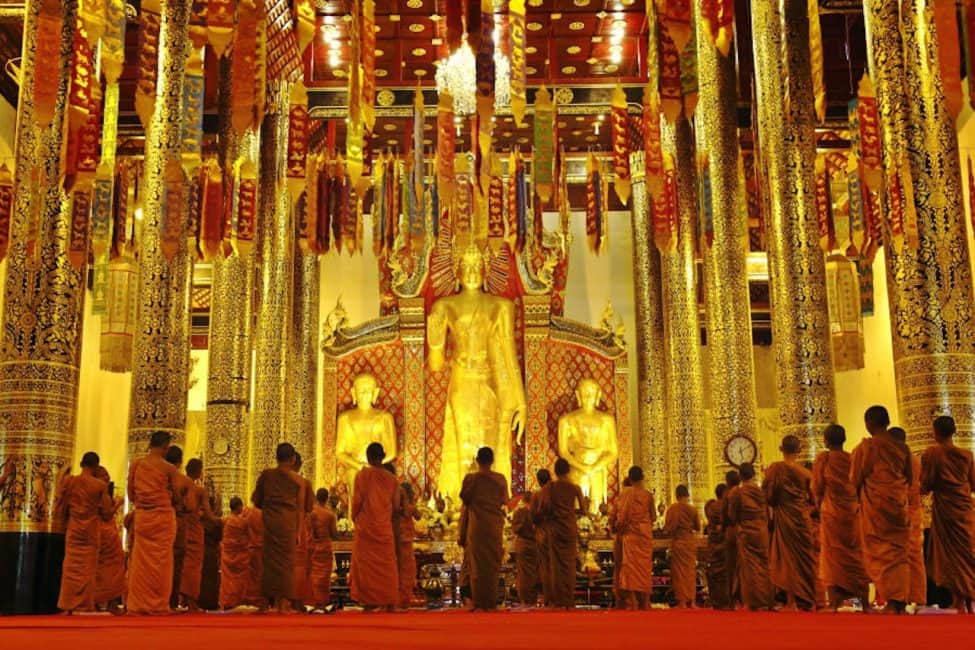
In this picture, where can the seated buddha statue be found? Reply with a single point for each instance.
(587, 439)
(360, 426)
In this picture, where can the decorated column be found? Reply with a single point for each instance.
(303, 363)
(929, 272)
(42, 318)
(724, 244)
(650, 372)
(682, 332)
(797, 269)
(161, 353)
(276, 244)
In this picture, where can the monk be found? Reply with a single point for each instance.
(373, 576)
(526, 553)
(464, 575)
(306, 501)
(683, 524)
(562, 503)
(881, 473)
(255, 548)
(634, 517)
(150, 490)
(181, 485)
(484, 493)
(948, 474)
(322, 529)
(748, 514)
(543, 477)
(918, 593)
(618, 596)
(732, 480)
(792, 555)
(716, 569)
(83, 503)
(840, 555)
(405, 532)
(195, 508)
(110, 579)
(234, 557)
(278, 495)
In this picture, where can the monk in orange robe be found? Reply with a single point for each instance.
(255, 549)
(919, 572)
(562, 503)
(732, 480)
(716, 568)
(748, 514)
(881, 473)
(484, 494)
(278, 495)
(544, 478)
(948, 474)
(110, 579)
(792, 556)
(82, 504)
(195, 508)
(181, 485)
(464, 575)
(373, 576)
(682, 523)
(404, 530)
(618, 595)
(633, 522)
(840, 555)
(322, 528)
(306, 501)
(150, 490)
(526, 553)
(234, 557)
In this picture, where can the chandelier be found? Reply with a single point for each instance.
(457, 74)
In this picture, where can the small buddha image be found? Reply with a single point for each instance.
(360, 426)
(587, 440)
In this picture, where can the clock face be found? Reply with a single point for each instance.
(740, 450)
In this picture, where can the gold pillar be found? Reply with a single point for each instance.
(231, 315)
(161, 352)
(303, 363)
(650, 357)
(805, 396)
(726, 299)
(682, 332)
(276, 242)
(42, 314)
(930, 288)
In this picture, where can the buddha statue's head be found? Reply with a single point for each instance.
(588, 394)
(471, 268)
(365, 391)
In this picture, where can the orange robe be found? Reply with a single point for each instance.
(255, 548)
(110, 580)
(717, 567)
(373, 575)
(840, 554)
(792, 556)
(541, 541)
(562, 497)
(880, 472)
(277, 495)
(948, 473)
(150, 486)
(302, 588)
(748, 514)
(322, 527)
(84, 502)
(730, 533)
(234, 561)
(484, 494)
(405, 532)
(635, 514)
(191, 573)
(526, 555)
(919, 572)
(683, 524)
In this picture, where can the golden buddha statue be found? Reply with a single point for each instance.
(358, 427)
(587, 439)
(485, 396)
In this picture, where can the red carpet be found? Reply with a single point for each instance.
(667, 630)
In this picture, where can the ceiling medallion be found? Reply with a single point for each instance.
(382, 73)
(577, 25)
(386, 97)
(530, 70)
(419, 51)
(612, 68)
(389, 127)
(569, 69)
(531, 49)
(535, 3)
(563, 96)
(573, 49)
(458, 75)
(581, 3)
(416, 28)
(339, 73)
(534, 27)
(392, 142)
(414, 4)
(379, 53)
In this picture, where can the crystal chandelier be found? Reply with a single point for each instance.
(457, 74)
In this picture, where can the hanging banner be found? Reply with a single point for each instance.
(485, 73)
(369, 64)
(652, 144)
(121, 308)
(676, 17)
(350, 216)
(519, 203)
(211, 210)
(325, 207)
(873, 220)
(858, 220)
(454, 18)
(92, 14)
(562, 172)
(220, 25)
(123, 211)
(823, 205)
(688, 75)
(173, 209)
(518, 84)
(446, 146)
(355, 134)
(78, 237)
(495, 225)
(82, 147)
(308, 208)
(47, 41)
(245, 223)
(198, 23)
(621, 145)
(243, 69)
(298, 135)
(671, 95)
(816, 59)
(543, 155)
(719, 18)
(6, 208)
(868, 134)
(595, 205)
(949, 54)
(665, 210)
(192, 129)
(112, 54)
(148, 61)
(901, 211)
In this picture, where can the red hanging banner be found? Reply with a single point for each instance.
(621, 146)
(671, 98)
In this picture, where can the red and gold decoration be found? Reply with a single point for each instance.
(719, 17)
(816, 60)
(247, 67)
(544, 153)
(368, 64)
(220, 25)
(664, 208)
(519, 92)
(621, 145)
(596, 208)
(145, 90)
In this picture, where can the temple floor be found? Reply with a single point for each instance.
(700, 629)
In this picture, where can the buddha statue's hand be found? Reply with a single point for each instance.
(518, 423)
